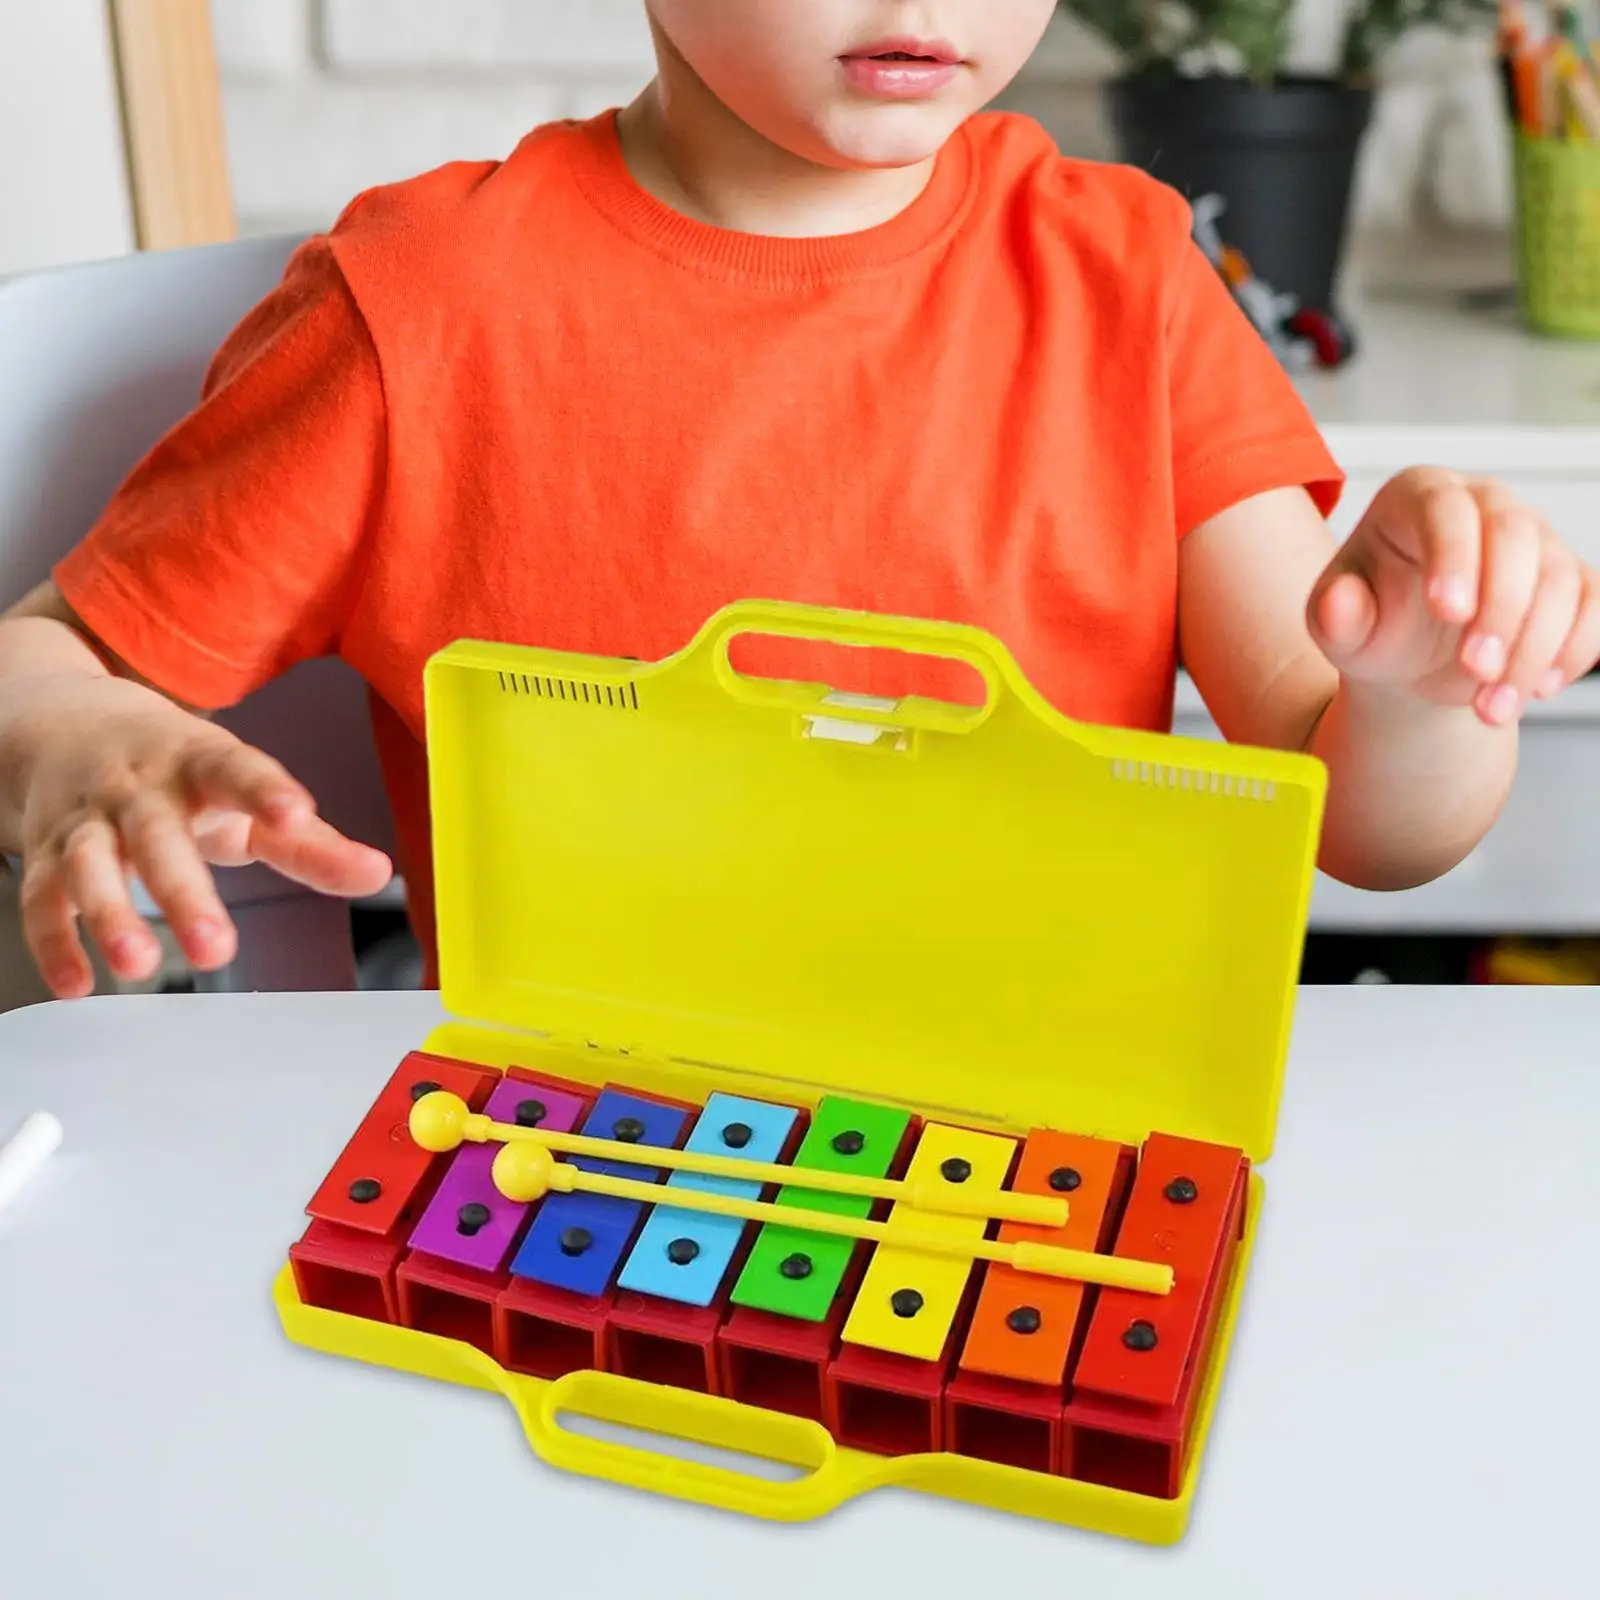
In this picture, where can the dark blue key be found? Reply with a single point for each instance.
(577, 1240)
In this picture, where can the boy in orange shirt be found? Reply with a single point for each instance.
(800, 323)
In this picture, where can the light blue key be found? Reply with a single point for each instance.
(684, 1255)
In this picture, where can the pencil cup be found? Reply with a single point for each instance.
(1558, 235)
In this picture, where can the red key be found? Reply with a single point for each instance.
(1139, 1345)
(375, 1181)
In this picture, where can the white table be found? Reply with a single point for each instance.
(1409, 1410)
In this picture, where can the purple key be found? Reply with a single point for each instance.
(469, 1221)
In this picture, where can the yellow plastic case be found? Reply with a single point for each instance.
(682, 879)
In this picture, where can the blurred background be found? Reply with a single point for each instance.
(1407, 201)
(324, 97)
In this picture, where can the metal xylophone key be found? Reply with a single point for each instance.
(672, 1291)
(1138, 1380)
(796, 1289)
(682, 1252)
(363, 1210)
(379, 1175)
(453, 1277)
(553, 1317)
(797, 1274)
(468, 1221)
(1005, 1402)
(1022, 1329)
(885, 1389)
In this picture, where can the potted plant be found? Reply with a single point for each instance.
(1206, 102)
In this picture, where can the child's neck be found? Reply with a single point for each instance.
(686, 148)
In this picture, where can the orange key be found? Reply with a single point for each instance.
(1024, 1324)
(1138, 1345)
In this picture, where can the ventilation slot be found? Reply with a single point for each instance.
(1194, 780)
(571, 691)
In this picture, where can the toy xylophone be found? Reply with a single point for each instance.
(1046, 1300)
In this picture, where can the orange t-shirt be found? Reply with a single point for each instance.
(526, 402)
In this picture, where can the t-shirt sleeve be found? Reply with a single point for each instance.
(234, 550)
(1239, 426)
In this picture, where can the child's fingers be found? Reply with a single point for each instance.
(161, 848)
(315, 853)
(1447, 526)
(235, 776)
(1513, 555)
(1581, 648)
(50, 928)
(286, 833)
(1549, 622)
(97, 887)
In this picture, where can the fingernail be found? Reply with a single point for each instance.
(205, 930)
(1452, 594)
(1485, 655)
(1502, 704)
(125, 949)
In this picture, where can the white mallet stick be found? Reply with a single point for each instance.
(25, 1152)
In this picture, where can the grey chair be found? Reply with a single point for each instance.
(96, 362)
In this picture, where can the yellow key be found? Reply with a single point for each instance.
(909, 1296)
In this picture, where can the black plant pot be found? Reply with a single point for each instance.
(1283, 158)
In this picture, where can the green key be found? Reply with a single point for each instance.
(795, 1273)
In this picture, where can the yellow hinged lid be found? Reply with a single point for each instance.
(986, 911)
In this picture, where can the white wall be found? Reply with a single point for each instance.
(325, 97)
(63, 175)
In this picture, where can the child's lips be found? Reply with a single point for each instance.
(901, 68)
(939, 51)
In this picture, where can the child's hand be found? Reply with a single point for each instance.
(124, 782)
(1452, 590)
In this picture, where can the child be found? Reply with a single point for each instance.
(800, 323)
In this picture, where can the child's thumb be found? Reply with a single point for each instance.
(1342, 615)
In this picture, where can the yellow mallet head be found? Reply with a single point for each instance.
(439, 1121)
(523, 1171)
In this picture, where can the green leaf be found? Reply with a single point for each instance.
(1251, 37)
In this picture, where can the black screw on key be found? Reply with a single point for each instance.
(850, 1142)
(365, 1190)
(796, 1266)
(425, 1086)
(530, 1113)
(905, 1302)
(627, 1130)
(1182, 1191)
(1140, 1336)
(955, 1170)
(682, 1251)
(736, 1135)
(1065, 1179)
(471, 1217)
(574, 1241)
(1025, 1319)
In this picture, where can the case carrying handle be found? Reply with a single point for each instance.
(861, 630)
(702, 1419)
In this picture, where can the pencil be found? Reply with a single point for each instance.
(1510, 45)
(1527, 93)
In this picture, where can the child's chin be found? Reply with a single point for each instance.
(888, 136)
